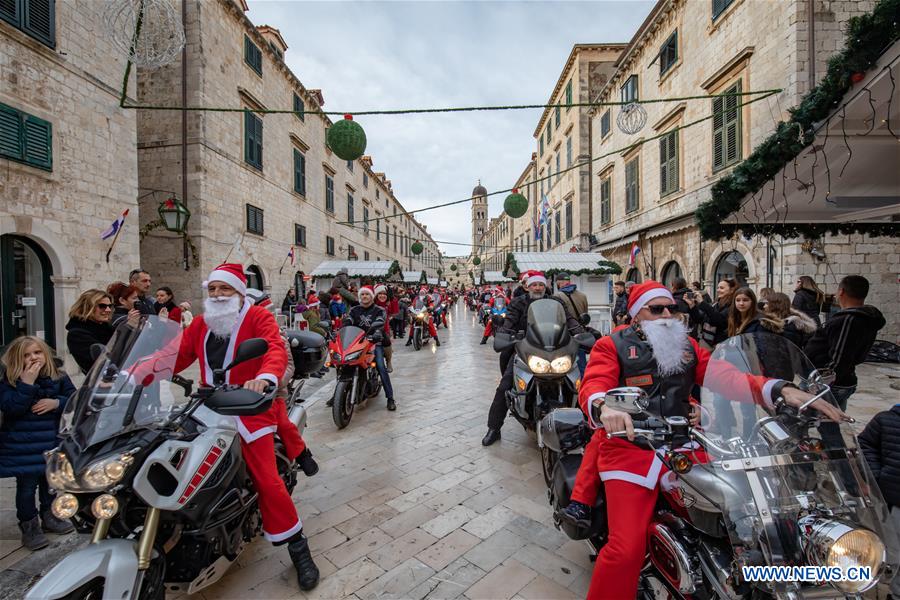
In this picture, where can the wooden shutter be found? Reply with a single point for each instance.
(299, 172)
(631, 186)
(9, 12)
(38, 20)
(664, 165)
(604, 201)
(673, 161)
(718, 107)
(37, 142)
(10, 133)
(718, 6)
(299, 108)
(733, 125)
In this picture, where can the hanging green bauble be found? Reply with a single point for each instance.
(416, 248)
(515, 204)
(452, 267)
(476, 261)
(347, 139)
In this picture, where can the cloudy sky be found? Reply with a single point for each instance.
(380, 55)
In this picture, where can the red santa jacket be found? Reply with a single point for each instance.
(253, 322)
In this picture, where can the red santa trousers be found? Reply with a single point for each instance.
(287, 431)
(587, 480)
(432, 330)
(279, 515)
(488, 329)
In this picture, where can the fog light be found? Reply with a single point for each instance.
(105, 506)
(520, 383)
(681, 464)
(65, 506)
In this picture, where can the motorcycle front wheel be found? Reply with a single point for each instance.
(417, 339)
(342, 408)
(549, 458)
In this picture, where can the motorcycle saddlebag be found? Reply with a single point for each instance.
(308, 350)
(563, 482)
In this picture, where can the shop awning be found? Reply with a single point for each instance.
(574, 263)
(355, 268)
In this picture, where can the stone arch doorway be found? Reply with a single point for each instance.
(670, 271)
(732, 265)
(27, 300)
(254, 277)
(633, 275)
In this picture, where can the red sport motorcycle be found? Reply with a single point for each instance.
(754, 485)
(352, 354)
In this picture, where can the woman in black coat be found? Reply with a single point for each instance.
(713, 317)
(808, 298)
(89, 324)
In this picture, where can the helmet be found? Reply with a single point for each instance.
(258, 297)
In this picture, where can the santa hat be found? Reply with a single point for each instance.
(366, 289)
(535, 277)
(642, 293)
(230, 273)
(423, 289)
(312, 300)
(380, 289)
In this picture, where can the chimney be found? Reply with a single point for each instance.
(317, 95)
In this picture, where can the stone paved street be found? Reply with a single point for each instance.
(409, 504)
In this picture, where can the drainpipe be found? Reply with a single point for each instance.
(811, 45)
(590, 165)
(184, 53)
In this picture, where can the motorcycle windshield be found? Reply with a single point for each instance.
(348, 334)
(771, 472)
(499, 304)
(128, 387)
(546, 324)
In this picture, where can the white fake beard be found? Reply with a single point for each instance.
(670, 342)
(221, 314)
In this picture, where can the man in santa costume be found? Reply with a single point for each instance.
(517, 320)
(655, 353)
(423, 300)
(228, 319)
(489, 328)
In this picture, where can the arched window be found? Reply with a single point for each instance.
(732, 265)
(633, 275)
(670, 271)
(254, 277)
(299, 284)
(26, 292)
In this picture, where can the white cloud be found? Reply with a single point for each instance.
(380, 55)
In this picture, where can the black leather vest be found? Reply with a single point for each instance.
(637, 367)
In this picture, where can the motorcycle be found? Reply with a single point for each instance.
(752, 486)
(352, 354)
(158, 481)
(421, 333)
(308, 352)
(498, 313)
(545, 373)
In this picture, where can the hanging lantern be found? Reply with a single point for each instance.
(416, 248)
(476, 261)
(452, 267)
(347, 139)
(174, 215)
(515, 204)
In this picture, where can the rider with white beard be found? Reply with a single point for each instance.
(656, 354)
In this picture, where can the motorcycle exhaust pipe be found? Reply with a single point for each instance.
(297, 416)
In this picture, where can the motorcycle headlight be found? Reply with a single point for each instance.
(538, 364)
(105, 473)
(105, 506)
(835, 544)
(60, 475)
(561, 364)
(353, 356)
(64, 506)
(420, 317)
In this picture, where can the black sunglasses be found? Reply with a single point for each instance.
(104, 305)
(660, 308)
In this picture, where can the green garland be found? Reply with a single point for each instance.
(604, 267)
(867, 37)
(393, 270)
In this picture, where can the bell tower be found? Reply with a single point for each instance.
(479, 215)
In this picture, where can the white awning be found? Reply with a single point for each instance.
(496, 277)
(412, 276)
(558, 261)
(618, 243)
(355, 268)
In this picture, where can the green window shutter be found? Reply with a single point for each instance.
(558, 116)
(38, 20)
(252, 55)
(719, 6)
(733, 126)
(673, 161)
(10, 133)
(299, 172)
(253, 139)
(604, 201)
(718, 120)
(663, 166)
(569, 93)
(542, 146)
(631, 186)
(10, 12)
(299, 108)
(37, 143)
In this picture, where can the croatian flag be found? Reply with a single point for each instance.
(545, 207)
(115, 227)
(291, 255)
(635, 250)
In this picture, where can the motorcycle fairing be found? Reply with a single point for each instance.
(112, 560)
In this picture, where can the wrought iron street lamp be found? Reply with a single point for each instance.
(174, 215)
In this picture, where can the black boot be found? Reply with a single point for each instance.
(307, 463)
(307, 572)
(484, 340)
(576, 513)
(51, 524)
(490, 437)
(32, 536)
(409, 341)
(330, 402)
(391, 405)
(437, 342)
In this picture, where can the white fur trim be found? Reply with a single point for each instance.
(536, 279)
(767, 391)
(268, 377)
(229, 278)
(280, 537)
(647, 296)
(648, 481)
(590, 401)
(249, 436)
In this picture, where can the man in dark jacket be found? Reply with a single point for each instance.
(517, 320)
(847, 336)
(364, 315)
(140, 279)
(619, 310)
(680, 289)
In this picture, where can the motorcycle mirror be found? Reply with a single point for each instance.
(97, 351)
(502, 341)
(631, 400)
(822, 376)
(248, 350)
(585, 340)
(585, 319)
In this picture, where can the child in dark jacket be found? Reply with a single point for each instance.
(880, 443)
(33, 395)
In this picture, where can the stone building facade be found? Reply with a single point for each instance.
(68, 159)
(646, 186)
(256, 183)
